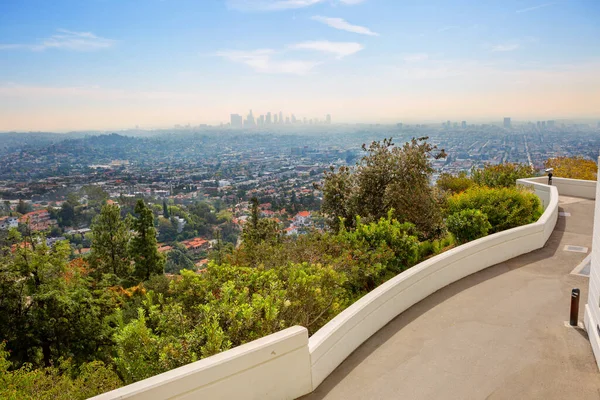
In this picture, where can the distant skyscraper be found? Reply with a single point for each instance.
(268, 120)
(280, 117)
(507, 122)
(275, 121)
(293, 119)
(250, 119)
(448, 124)
(328, 119)
(543, 124)
(236, 121)
(261, 120)
(550, 124)
(463, 124)
(539, 124)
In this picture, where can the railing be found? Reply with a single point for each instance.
(287, 364)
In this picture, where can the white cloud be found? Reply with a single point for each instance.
(65, 39)
(262, 60)
(339, 23)
(270, 5)
(524, 10)
(505, 47)
(416, 57)
(339, 49)
(275, 5)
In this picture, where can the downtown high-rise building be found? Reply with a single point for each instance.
(236, 121)
(463, 124)
(275, 119)
(280, 117)
(249, 120)
(507, 123)
(268, 119)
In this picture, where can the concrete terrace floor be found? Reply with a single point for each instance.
(497, 334)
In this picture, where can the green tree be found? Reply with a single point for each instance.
(573, 167)
(111, 236)
(501, 175)
(454, 183)
(143, 245)
(387, 178)
(23, 208)
(165, 210)
(68, 211)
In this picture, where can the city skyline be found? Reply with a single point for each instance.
(238, 121)
(112, 65)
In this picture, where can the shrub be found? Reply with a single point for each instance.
(388, 177)
(505, 208)
(467, 225)
(573, 167)
(55, 383)
(501, 175)
(454, 183)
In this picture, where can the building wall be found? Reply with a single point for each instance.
(592, 308)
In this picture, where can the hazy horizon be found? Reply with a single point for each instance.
(108, 65)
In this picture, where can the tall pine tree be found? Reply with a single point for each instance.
(111, 238)
(143, 246)
(165, 210)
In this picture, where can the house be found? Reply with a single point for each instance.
(196, 244)
(38, 220)
(291, 230)
(164, 249)
(180, 223)
(8, 222)
(302, 218)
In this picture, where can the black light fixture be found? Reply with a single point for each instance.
(549, 171)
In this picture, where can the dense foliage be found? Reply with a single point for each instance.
(573, 167)
(387, 178)
(454, 183)
(501, 175)
(504, 208)
(468, 224)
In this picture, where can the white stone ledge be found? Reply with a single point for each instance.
(273, 367)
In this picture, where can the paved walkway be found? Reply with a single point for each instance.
(497, 334)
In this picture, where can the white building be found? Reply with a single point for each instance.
(8, 222)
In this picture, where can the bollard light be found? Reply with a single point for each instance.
(574, 318)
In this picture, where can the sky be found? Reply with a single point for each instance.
(117, 64)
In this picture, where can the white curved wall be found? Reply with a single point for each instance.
(331, 344)
(569, 187)
(273, 367)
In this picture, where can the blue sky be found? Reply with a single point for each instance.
(110, 64)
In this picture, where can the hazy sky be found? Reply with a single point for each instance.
(110, 64)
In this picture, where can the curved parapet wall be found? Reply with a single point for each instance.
(567, 187)
(335, 341)
(273, 367)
